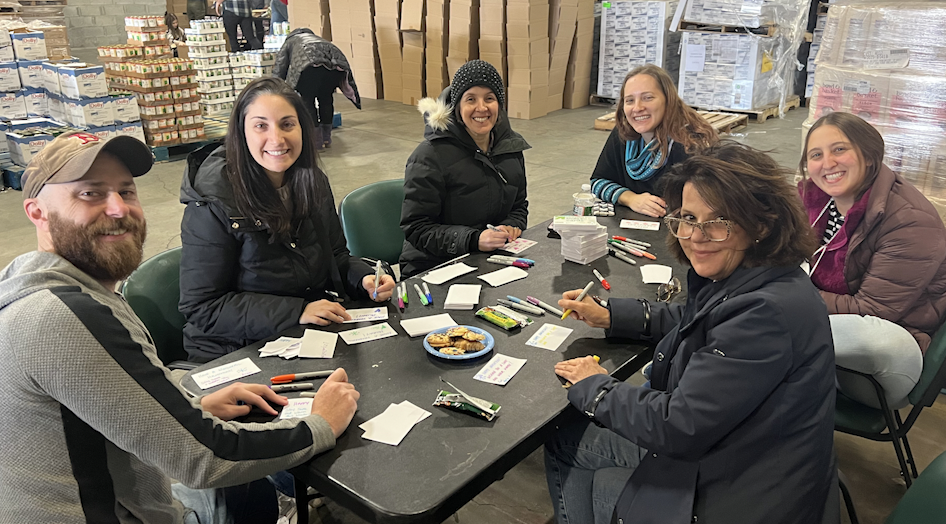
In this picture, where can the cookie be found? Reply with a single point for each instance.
(469, 345)
(439, 341)
(457, 331)
(452, 351)
(469, 335)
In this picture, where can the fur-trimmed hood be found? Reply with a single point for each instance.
(439, 117)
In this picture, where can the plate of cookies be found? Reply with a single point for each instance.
(458, 342)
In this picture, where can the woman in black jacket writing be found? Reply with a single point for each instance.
(737, 427)
(467, 174)
(263, 248)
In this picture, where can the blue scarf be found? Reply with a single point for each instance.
(643, 161)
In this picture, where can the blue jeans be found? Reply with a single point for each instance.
(879, 348)
(207, 506)
(586, 468)
(279, 14)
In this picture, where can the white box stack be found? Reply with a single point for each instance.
(583, 239)
(635, 33)
(206, 41)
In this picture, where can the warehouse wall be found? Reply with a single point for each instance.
(92, 23)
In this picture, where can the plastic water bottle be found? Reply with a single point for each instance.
(584, 201)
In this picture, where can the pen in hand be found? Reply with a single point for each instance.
(377, 279)
(584, 293)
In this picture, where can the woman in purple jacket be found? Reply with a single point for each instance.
(880, 267)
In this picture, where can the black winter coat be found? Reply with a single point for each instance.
(236, 287)
(304, 49)
(611, 166)
(739, 422)
(452, 190)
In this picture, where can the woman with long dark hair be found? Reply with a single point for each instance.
(263, 247)
(653, 130)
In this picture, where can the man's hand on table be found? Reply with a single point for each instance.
(336, 401)
(324, 312)
(385, 288)
(587, 310)
(577, 369)
(237, 399)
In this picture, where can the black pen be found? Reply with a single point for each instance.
(299, 386)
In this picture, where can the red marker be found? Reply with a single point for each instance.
(285, 379)
(623, 239)
(604, 283)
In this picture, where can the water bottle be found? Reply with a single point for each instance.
(584, 201)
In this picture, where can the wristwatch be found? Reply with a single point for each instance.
(590, 412)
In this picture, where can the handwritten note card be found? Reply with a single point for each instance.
(297, 408)
(318, 344)
(368, 314)
(225, 373)
(367, 334)
(640, 224)
(500, 369)
(518, 246)
(549, 337)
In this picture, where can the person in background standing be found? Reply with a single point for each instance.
(175, 33)
(258, 21)
(280, 13)
(238, 12)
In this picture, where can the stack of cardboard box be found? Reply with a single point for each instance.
(464, 33)
(578, 73)
(563, 20)
(527, 24)
(353, 32)
(492, 34)
(387, 16)
(412, 52)
(436, 51)
(313, 14)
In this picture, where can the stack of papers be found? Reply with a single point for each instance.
(393, 425)
(313, 344)
(583, 240)
(439, 276)
(462, 296)
(504, 276)
(416, 327)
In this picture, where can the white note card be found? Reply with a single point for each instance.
(444, 274)
(225, 373)
(367, 334)
(500, 369)
(318, 344)
(368, 314)
(656, 273)
(695, 57)
(646, 225)
(549, 337)
(297, 408)
(518, 246)
(416, 327)
(462, 296)
(394, 424)
(504, 276)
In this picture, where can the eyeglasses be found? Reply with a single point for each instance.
(713, 230)
(666, 291)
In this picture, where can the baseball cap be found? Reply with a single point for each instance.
(69, 157)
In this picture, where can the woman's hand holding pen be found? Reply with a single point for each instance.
(385, 288)
(492, 239)
(324, 312)
(587, 310)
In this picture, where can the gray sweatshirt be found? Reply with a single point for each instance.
(94, 426)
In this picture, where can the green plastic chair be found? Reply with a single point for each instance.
(924, 502)
(885, 424)
(153, 292)
(371, 220)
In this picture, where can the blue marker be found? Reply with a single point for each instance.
(430, 299)
(516, 300)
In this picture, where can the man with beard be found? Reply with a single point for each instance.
(100, 425)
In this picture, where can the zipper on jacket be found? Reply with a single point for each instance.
(489, 162)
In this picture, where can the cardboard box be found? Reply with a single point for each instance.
(525, 46)
(89, 112)
(412, 15)
(527, 94)
(55, 107)
(103, 132)
(9, 77)
(527, 110)
(31, 74)
(528, 77)
(78, 81)
(24, 147)
(125, 109)
(28, 45)
(36, 103)
(6, 53)
(12, 106)
(577, 93)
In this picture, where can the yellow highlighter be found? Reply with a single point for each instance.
(584, 293)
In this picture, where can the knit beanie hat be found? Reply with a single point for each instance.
(473, 74)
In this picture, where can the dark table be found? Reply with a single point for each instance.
(450, 457)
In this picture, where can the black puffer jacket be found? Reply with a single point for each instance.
(304, 49)
(236, 287)
(452, 190)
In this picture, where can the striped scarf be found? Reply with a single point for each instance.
(642, 161)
